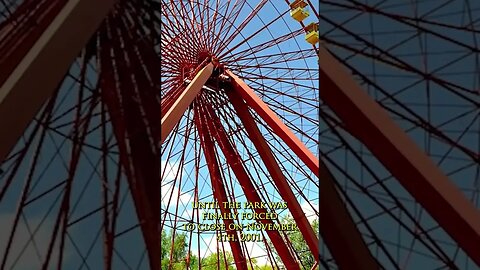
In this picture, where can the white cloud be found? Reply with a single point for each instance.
(308, 209)
(170, 171)
(171, 196)
(209, 246)
(188, 213)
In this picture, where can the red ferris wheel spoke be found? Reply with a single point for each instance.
(379, 198)
(234, 160)
(432, 188)
(393, 61)
(67, 34)
(415, 118)
(137, 146)
(276, 58)
(270, 117)
(219, 191)
(282, 131)
(229, 20)
(263, 46)
(175, 112)
(240, 28)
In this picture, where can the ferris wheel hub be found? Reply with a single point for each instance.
(202, 56)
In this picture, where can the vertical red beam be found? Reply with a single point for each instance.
(269, 160)
(235, 162)
(42, 68)
(218, 189)
(173, 115)
(275, 123)
(366, 120)
(141, 166)
(130, 112)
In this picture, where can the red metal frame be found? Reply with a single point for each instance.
(366, 120)
(255, 135)
(177, 109)
(266, 154)
(218, 189)
(30, 84)
(235, 162)
(275, 123)
(332, 207)
(139, 155)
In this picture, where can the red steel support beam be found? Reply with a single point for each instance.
(267, 156)
(218, 189)
(169, 98)
(331, 206)
(133, 105)
(236, 163)
(366, 120)
(17, 36)
(338, 229)
(43, 67)
(173, 115)
(275, 123)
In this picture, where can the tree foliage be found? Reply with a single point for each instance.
(176, 258)
(212, 261)
(179, 259)
(299, 244)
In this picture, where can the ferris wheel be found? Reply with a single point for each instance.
(91, 177)
(84, 154)
(79, 105)
(240, 104)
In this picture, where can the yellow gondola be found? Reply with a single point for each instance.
(298, 10)
(312, 36)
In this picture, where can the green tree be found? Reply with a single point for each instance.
(299, 244)
(179, 258)
(214, 260)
